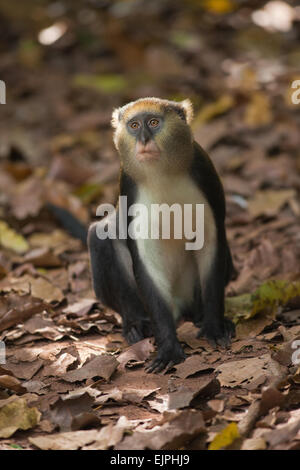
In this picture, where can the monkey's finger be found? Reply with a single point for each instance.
(169, 366)
(224, 342)
(156, 366)
(150, 367)
(212, 342)
(133, 336)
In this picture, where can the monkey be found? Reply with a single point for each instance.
(68, 221)
(154, 282)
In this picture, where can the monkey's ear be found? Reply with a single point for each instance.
(187, 107)
(116, 117)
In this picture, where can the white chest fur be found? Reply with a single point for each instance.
(180, 191)
(172, 268)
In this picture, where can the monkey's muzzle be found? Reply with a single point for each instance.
(147, 152)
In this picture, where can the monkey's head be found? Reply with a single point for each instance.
(152, 134)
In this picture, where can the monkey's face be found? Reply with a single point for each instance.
(154, 142)
(144, 127)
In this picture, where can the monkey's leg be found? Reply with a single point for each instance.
(115, 286)
(155, 287)
(212, 269)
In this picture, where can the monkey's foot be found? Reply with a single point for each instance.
(218, 334)
(141, 329)
(167, 357)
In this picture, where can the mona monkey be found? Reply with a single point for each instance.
(154, 282)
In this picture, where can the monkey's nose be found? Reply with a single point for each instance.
(148, 146)
(144, 136)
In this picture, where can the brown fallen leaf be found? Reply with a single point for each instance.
(65, 168)
(81, 307)
(251, 328)
(67, 409)
(53, 240)
(187, 333)
(11, 383)
(43, 326)
(103, 439)
(136, 354)
(191, 366)
(181, 426)
(39, 287)
(244, 371)
(79, 276)
(64, 441)
(258, 112)
(15, 309)
(100, 366)
(216, 405)
(60, 366)
(42, 257)
(43, 289)
(108, 437)
(85, 420)
(284, 353)
(284, 433)
(160, 403)
(269, 202)
(28, 198)
(35, 386)
(114, 394)
(59, 195)
(22, 370)
(133, 395)
(257, 443)
(183, 397)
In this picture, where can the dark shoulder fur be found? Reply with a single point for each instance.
(206, 177)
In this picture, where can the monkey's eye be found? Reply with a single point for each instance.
(134, 125)
(154, 122)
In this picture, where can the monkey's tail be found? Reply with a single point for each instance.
(231, 272)
(69, 222)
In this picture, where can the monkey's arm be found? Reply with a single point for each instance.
(214, 260)
(206, 177)
(114, 283)
(156, 300)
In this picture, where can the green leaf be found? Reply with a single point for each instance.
(88, 192)
(266, 298)
(273, 294)
(107, 84)
(15, 446)
(11, 239)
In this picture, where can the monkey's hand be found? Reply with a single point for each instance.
(218, 333)
(169, 354)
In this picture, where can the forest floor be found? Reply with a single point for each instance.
(70, 381)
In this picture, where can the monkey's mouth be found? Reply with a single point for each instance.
(147, 152)
(147, 155)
